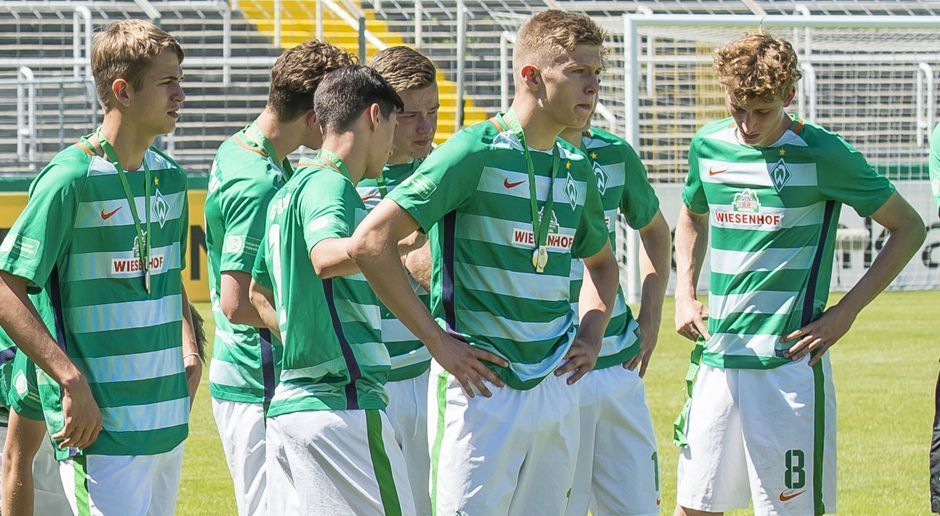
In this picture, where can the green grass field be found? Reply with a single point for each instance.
(885, 371)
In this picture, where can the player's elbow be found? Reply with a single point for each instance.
(363, 245)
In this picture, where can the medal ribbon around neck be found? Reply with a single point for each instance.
(540, 225)
(143, 238)
(254, 135)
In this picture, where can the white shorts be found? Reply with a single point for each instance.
(618, 464)
(765, 436)
(336, 462)
(408, 414)
(138, 485)
(241, 429)
(513, 453)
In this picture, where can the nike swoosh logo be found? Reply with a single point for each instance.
(716, 172)
(785, 497)
(507, 184)
(370, 196)
(108, 215)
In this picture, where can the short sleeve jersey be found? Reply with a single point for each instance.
(934, 165)
(409, 356)
(625, 189)
(77, 236)
(18, 375)
(773, 213)
(472, 196)
(243, 179)
(333, 358)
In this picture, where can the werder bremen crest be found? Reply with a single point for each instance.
(161, 208)
(572, 192)
(602, 178)
(780, 174)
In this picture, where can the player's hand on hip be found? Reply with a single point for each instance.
(465, 362)
(818, 336)
(580, 359)
(690, 319)
(81, 416)
(649, 335)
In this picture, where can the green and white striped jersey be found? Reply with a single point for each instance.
(243, 180)
(77, 238)
(774, 212)
(624, 188)
(410, 358)
(471, 196)
(333, 358)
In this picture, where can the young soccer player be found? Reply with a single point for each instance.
(414, 78)
(249, 168)
(618, 466)
(331, 449)
(105, 230)
(507, 205)
(761, 422)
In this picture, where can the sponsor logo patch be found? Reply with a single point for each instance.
(421, 185)
(713, 172)
(234, 244)
(508, 184)
(322, 222)
(746, 212)
(131, 266)
(28, 247)
(105, 215)
(786, 496)
(21, 384)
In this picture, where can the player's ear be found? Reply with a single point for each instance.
(788, 96)
(310, 119)
(531, 77)
(120, 88)
(374, 114)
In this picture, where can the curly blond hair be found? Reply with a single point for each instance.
(757, 66)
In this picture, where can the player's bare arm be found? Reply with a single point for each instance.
(263, 301)
(418, 263)
(330, 259)
(601, 279)
(374, 247)
(691, 245)
(655, 267)
(234, 299)
(907, 233)
(18, 316)
(192, 362)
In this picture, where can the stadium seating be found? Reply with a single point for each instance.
(867, 102)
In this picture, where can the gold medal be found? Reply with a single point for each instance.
(540, 258)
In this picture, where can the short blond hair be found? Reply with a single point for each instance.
(124, 50)
(548, 35)
(757, 66)
(404, 68)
